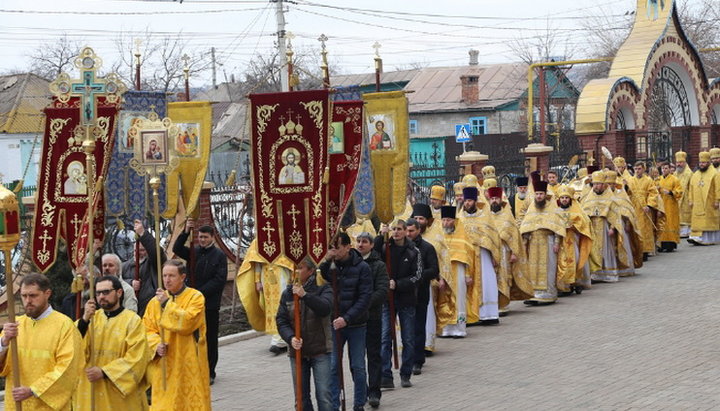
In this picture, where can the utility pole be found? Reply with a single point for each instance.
(214, 73)
(282, 56)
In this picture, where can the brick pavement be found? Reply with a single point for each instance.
(648, 342)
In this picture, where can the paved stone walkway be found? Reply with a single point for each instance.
(648, 342)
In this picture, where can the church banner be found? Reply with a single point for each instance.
(62, 196)
(386, 117)
(289, 163)
(127, 194)
(345, 151)
(192, 146)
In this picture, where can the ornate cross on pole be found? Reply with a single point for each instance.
(378, 65)
(186, 74)
(293, 213)
(324, 65)
(293, 79)
(137, 63)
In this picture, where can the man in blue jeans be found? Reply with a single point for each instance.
(405, 271)
(315, 344)
(352, 285)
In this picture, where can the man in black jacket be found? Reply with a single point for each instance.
(373, 340)
(209, 275)
(352, 285)
(404, 271)
(147, 286)
(430, 271)
(315, 344)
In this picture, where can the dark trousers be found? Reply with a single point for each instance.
(373, 340)
(420, 319)
(212, 322)
(406, 316)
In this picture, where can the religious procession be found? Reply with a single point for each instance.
(354, 259)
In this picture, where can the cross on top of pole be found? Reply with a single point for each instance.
(377, 46)
(88, 87)
(322, 39)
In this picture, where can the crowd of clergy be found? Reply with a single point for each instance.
(431, 273)
(447, 265)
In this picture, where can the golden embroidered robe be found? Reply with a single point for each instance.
(578, 239)
(671, 191)
(643, 193)
(51, 359)
(513, 283)
(456, 250)
(536, 228)
(120, 350)
(182, 323)
(704, 192)
(604, 213)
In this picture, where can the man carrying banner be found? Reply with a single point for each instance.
(146, 285)
(117, 346)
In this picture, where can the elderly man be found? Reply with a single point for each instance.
(543, 232)
(683, 174)
(704, 195)
(147, 284)
(629, 243)
(513, 283)
(111, 265)
(456, 276)
(573, 269)
(483, 296)
(644, 196)
(518, 202)
(671, 191)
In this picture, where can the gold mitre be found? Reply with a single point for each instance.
(619, 162)
(489, 182)
(611, 177)
(488, 172)
(704, 156)
(681, 156)
(715, 152)
(458, 188)
(598, 177)
(470, 180)
(564, 190)
(582, 173)
(437, 193)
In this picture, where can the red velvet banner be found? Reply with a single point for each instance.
(345, 149)
(62, 195)
(290, 159)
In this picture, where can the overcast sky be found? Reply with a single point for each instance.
(429, 32)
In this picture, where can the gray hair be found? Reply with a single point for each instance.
(113, 257)
(309, 263)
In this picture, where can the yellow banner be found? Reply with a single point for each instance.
(386, 119)
(192, 145)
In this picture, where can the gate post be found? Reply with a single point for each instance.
(472, 162)
(537, 157)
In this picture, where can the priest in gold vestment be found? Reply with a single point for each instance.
(606, 223)
(513, 283)
(629, 244)
(49, 352)
(704, 197)
(573, 266)
(483, 295)
(671, 191)
(175, 326)
(456, 259)
(116, 352)
(260, 286)
(644, 196)
(683, 174)
(543, 232)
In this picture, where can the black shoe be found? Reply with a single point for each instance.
(387, 383)
(429, 353)
(374, 401)
(530, 302)
(277, 350)
(646, 256)
(490, 322)
(405, 381)
(417, 369)
(565, 293)
(212, 380)
(359, 408)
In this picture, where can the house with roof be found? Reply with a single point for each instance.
(22, 100)
(492, 98)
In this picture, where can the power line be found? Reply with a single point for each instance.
(126, 13)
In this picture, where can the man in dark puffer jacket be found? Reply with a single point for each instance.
(315, 343)
(373, 340)
(405, 271)
(352, 291)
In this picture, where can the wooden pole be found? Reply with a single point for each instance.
(155, 184)
(137, 260)
(324, 66)
(11, 318)
(298, 353)
(89, 148)
(338, 344)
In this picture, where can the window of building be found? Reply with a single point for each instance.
(413, 127)
(478, 125)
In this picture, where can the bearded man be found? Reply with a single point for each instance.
(573, 266)
(599, 205)
(704, 196)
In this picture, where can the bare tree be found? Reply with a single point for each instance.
(52, 58)
(544, 46)
(263, 72)
(161, 60)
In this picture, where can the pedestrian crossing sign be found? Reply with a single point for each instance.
(462, 133)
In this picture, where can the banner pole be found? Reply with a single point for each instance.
(155, 185)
